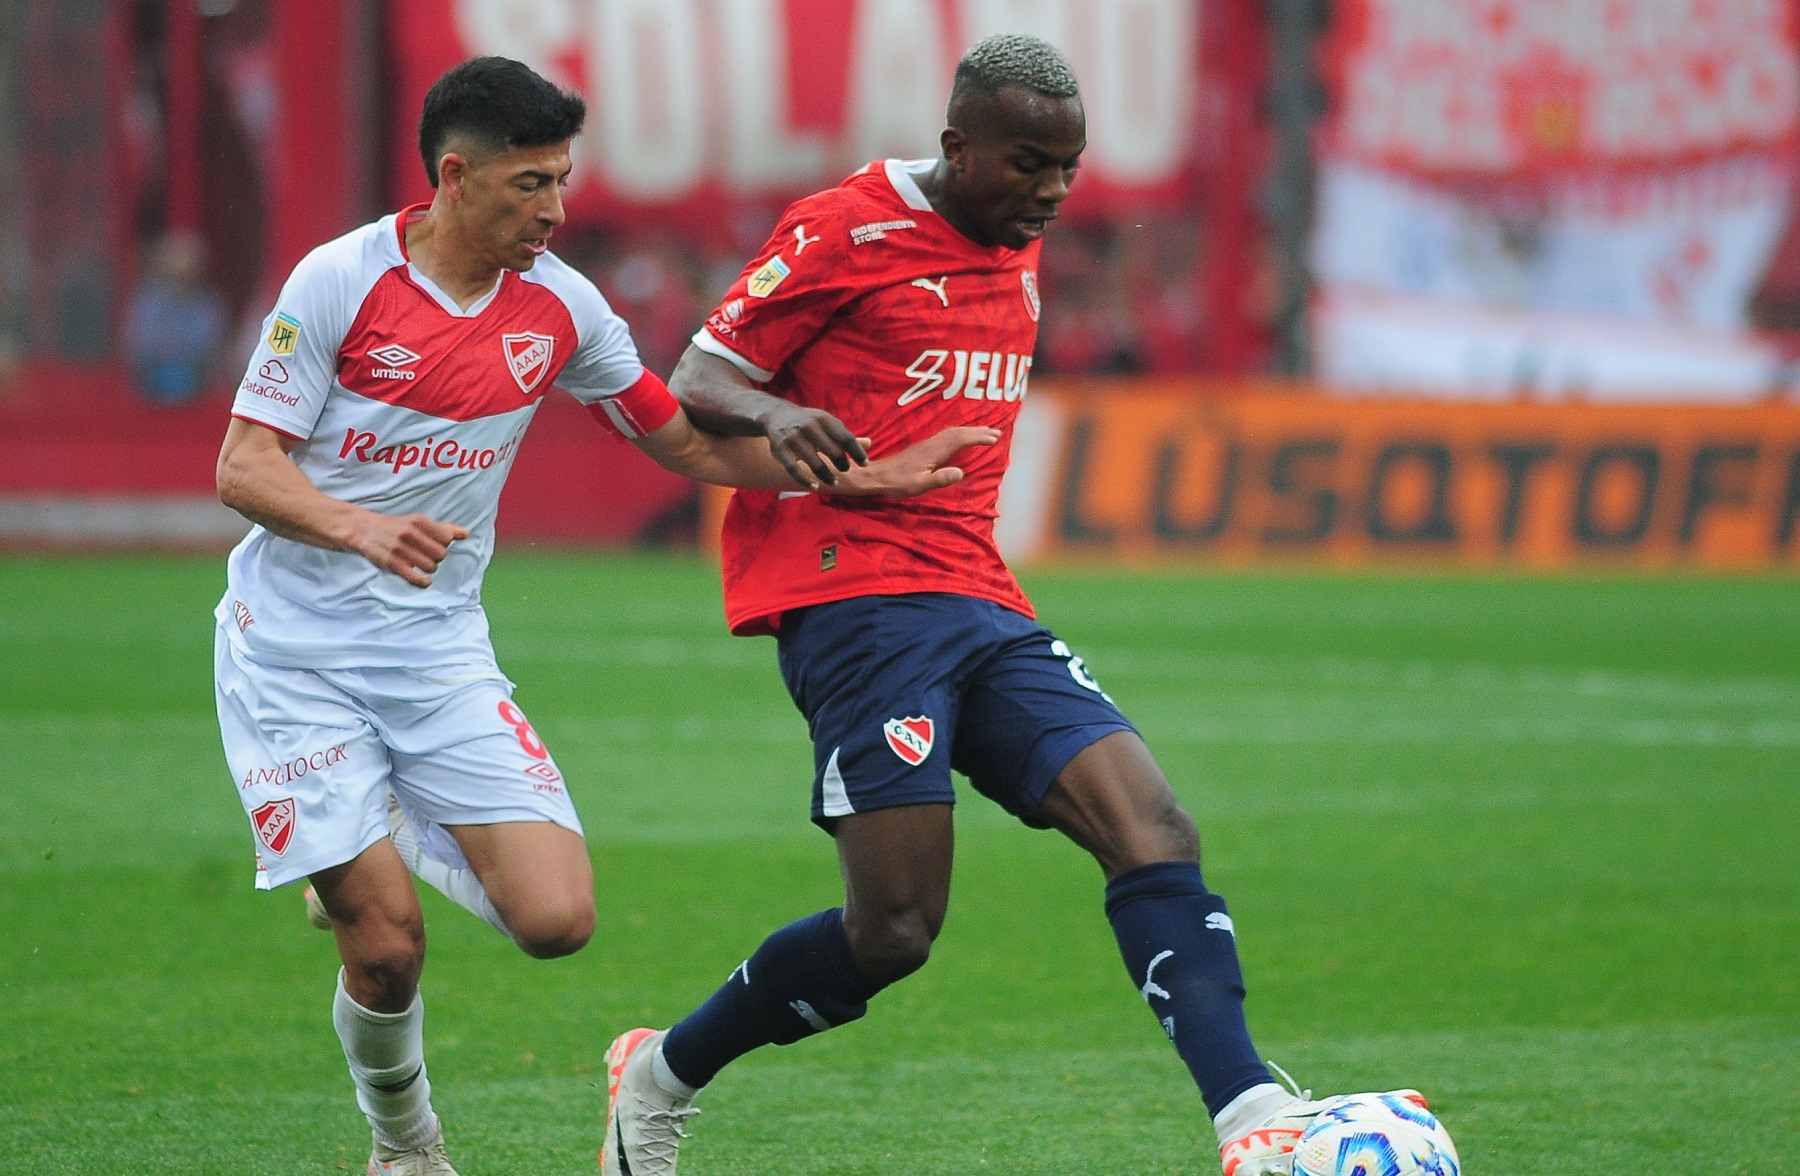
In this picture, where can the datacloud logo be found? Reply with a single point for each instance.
(256, 387)
(974, 375)
(393, 360)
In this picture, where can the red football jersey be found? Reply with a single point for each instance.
(867, 304)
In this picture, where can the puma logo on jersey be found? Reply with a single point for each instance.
(936, 287)
(801, 240)
(974, 375)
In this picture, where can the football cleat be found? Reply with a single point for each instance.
(1268, 1149)
(316, 914)
(428, 1160)
(643, 1121)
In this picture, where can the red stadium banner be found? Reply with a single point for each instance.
(699, 109)
(1557, 175)
(1485, 88)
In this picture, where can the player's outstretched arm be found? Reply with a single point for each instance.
(258, 480)
(749, 463)
(720, 399)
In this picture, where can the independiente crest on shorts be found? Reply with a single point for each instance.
(910, 739)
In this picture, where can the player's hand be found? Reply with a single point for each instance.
(919, 468)
(811, 444)
(410, 546)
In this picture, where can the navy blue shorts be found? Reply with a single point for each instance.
(900, 690)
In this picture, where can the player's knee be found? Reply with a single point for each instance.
(554, 929)
(893, 946)
(1179, 834)
(383, 963)
(1166, 833)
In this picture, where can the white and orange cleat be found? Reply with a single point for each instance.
(1268, 1148)
(426, 1160)
(643, 1121)
(316, 914)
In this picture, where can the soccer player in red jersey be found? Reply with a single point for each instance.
(902, 301)
(369, 443)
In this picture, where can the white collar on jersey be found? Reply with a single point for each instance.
(900, 173)
(405, 217)
(448, 303)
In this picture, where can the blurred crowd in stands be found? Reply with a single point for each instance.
(1117, 299)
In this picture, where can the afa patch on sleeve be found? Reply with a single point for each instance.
(284, 334)
(763, 281)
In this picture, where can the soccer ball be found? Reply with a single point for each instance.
(1376, 1135)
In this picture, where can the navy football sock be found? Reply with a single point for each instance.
(801, 981)
(1179, 947)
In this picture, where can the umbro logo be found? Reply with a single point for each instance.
(392, 361)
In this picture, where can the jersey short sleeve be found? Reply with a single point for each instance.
(291, 372)
(605, 362)
(788, 293)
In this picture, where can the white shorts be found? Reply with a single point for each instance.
(314, 754)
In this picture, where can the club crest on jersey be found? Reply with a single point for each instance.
(910, 739)
(528, 357)
(274, 824)
(1034, 305)
(763, 282)
(284, 333)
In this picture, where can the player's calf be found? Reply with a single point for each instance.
(802, 980)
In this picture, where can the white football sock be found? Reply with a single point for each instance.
(1250, 1110)
(459, 885)
(386, 1052)
(664, 1077)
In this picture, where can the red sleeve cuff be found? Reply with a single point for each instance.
(265, 424)
(643, 408)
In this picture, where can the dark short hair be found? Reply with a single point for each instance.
(499, 101)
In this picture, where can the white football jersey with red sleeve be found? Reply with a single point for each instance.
(404, 402)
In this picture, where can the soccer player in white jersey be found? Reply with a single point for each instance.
(370, 440)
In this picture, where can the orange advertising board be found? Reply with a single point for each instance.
(1156, 473)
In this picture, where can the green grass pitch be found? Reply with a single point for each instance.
(1530, 845)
